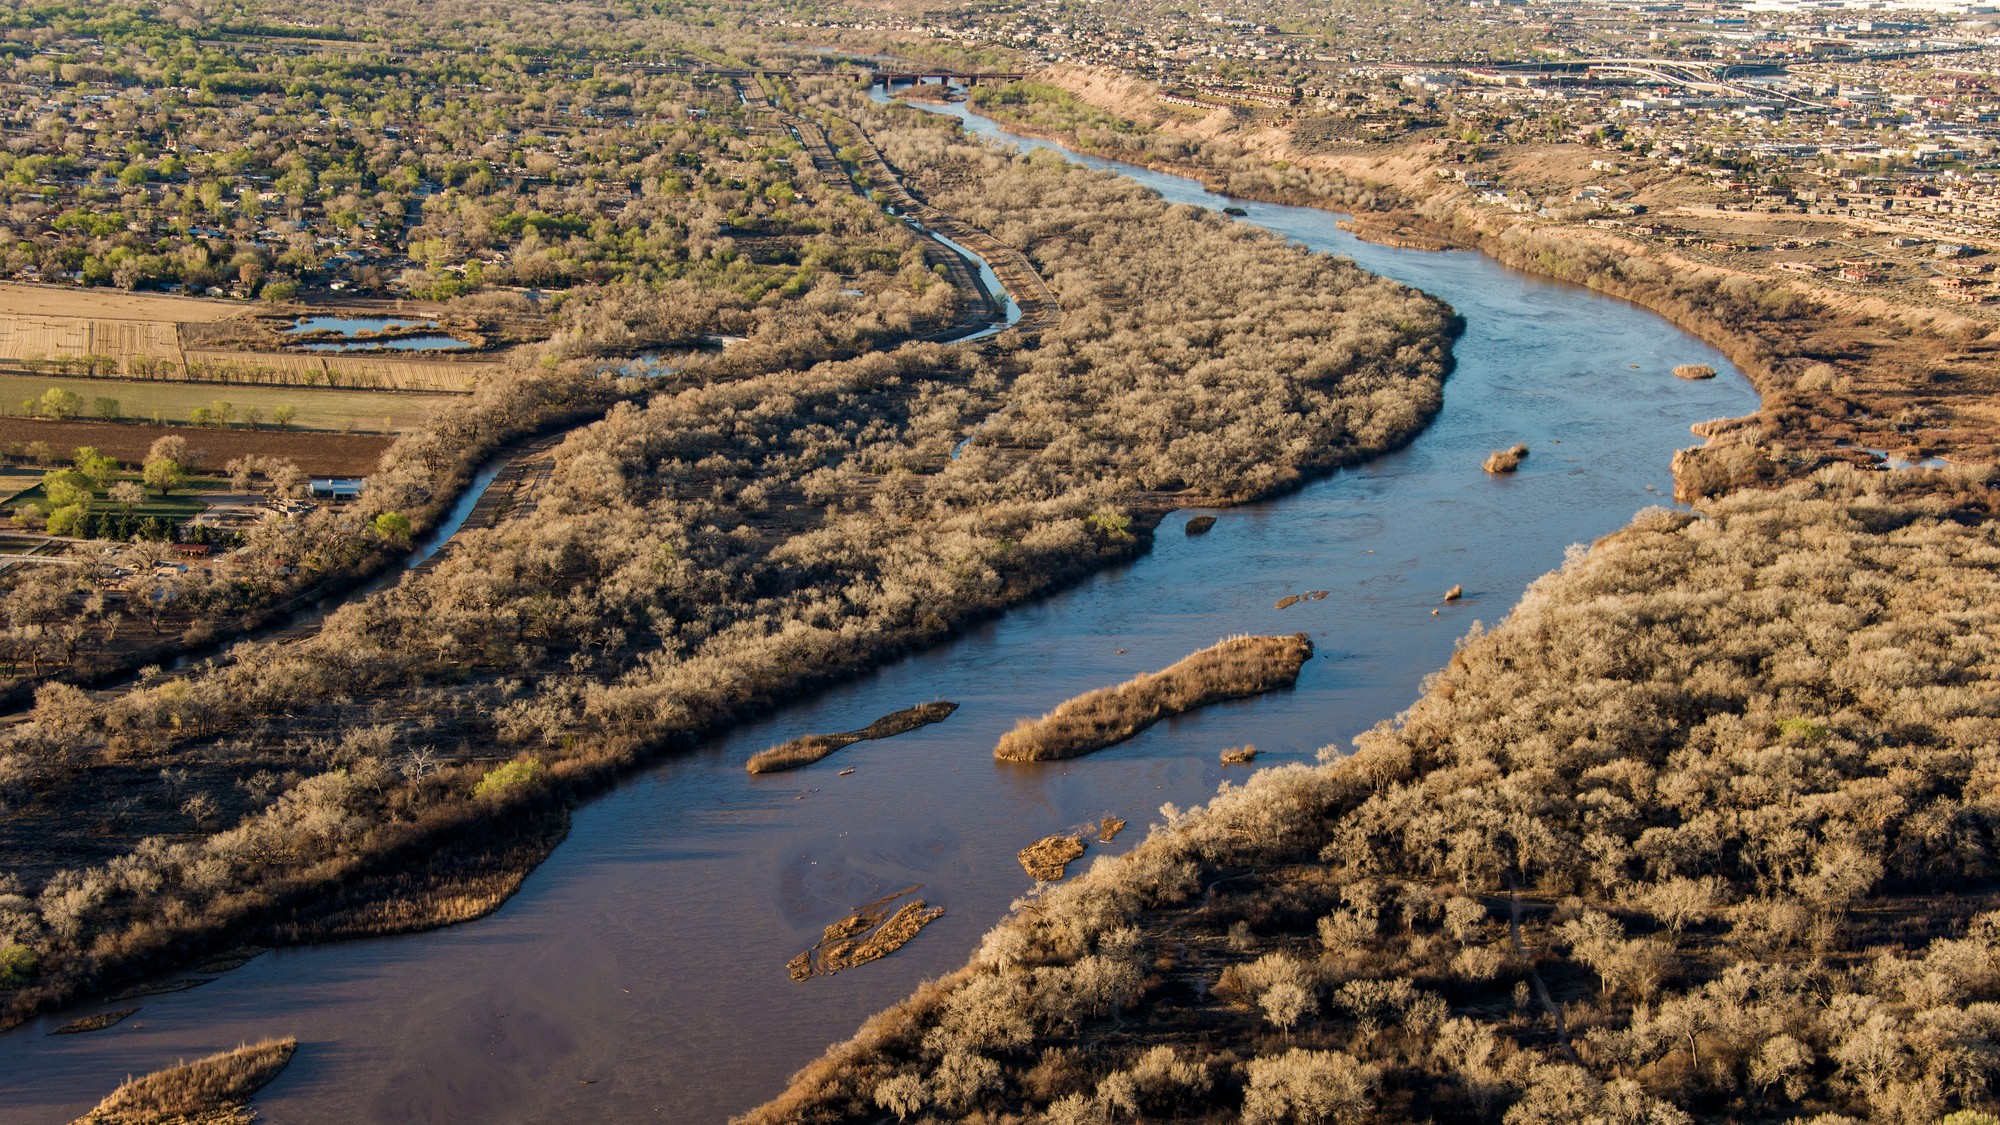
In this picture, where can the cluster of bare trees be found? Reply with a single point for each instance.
(1704, 831)
(740, 536)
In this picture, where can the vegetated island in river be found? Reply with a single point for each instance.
(869, 934)
(212, 1091)
(1048, 858)
(1238, 667)
(1506, 460)
(811, 748)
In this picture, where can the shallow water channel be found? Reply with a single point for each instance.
(640, 972)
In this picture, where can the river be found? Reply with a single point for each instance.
(639, 973)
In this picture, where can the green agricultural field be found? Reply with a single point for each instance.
(318, 408)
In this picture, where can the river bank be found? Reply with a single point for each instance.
(1840, 373)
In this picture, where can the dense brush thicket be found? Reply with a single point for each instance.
(745, 534)
(1705, 831)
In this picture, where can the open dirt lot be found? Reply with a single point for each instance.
(315, 453)
(115, 304)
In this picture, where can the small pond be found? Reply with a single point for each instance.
(352, 326)
(429, 343)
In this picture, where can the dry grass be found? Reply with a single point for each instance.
(812, 747)
(204, 1092)
(466, 876)
(1046, 858)
(162, 987)
(1238, 667)
(115, 304)
(869, 934)
(1506, 460)
(98, 1022)
(232, 960)
(25, 336)
(1109, 828)
(395, 371)
(1239, 755)
(1694, 371)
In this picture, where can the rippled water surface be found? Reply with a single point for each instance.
(639, 975)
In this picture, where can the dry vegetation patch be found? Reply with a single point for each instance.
(1233, 669)
(1506, 460)
(211, 1091)
(162, 987)
(812, 747)
(97, 1022)
(738, 530)
(1047, 858)
(116, 304)
(1703, 832)
(871, 933)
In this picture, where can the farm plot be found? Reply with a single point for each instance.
(316, 408)
(47, 329)
(318, 454)
(396, 373)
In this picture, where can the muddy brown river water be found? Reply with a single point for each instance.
(639, 975)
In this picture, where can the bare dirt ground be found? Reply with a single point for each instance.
(317, 454)
(115, 304)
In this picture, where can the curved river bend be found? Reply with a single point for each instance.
(639, 974)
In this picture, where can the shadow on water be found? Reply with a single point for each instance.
(639, 974)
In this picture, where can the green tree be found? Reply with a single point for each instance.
(17, 965)
(67, 520)
(510, 775)
(283, 415)
(67, 488)
(99, 468)
(393, 526)
(59, 403)
(104, 407)
(163, 473)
